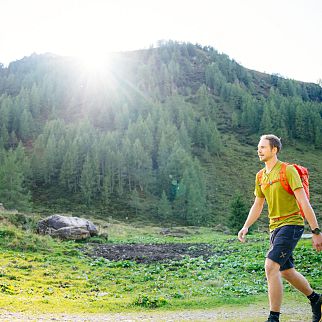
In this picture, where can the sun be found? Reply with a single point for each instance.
(92, 31)
(88, 32)
(95, 62)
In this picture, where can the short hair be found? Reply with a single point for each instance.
(274, 141)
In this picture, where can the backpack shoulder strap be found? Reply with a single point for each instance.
(259, 178)
(260, 175)
(283, 178)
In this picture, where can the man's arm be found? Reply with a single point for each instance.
(309, 216)
(253, 215)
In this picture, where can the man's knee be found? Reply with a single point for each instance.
(271, 267)
(288, 273)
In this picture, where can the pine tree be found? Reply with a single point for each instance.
(184, 138)
(108, 151)
(4, 136)
(88, 179)
(300, 126)
(266, 125)
(249, 113)
(214, 78)
(127, 157)
(35, 101)
(69, 176)
(135, 201)
(50, 159)
(106, 191)
(168, 142)
(195, 195)
(234, 120)
(13, 140)
(26, 126)
(238, 214)
(164, 208)
(142, 166)
(13, 191)
(207, 136)
(24, 164)
(203, 100)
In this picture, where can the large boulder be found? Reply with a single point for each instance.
(66, 227)
(71, 233)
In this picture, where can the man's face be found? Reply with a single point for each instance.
(264, 150)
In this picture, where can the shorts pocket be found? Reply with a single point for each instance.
(298, 231)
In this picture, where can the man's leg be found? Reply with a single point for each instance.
(301, 283)
(297, 280)
(275, 285)
(279, 257)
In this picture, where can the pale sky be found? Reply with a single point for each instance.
(273, 36)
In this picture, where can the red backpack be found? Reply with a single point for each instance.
(303, 173)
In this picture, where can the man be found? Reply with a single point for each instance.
(286, 226)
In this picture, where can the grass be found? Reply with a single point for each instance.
(42, 275)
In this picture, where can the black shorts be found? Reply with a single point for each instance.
(282, 243)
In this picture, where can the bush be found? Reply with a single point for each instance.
(16, 239)
(238, 214)
(150, 302)
(26, 222)
(6, 234)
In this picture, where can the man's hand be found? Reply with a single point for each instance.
(317, 242)
(242, 233)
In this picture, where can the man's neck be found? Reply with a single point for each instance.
(269, 165)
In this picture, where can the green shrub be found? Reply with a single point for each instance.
(7, 288)
(238, 214)
(24, 221)
(6, 234)
(16, 239)
(150, 301)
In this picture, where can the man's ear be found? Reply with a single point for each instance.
(275, 150)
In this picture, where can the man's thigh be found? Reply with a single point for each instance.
(283, 242)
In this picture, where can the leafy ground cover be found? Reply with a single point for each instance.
(41, 275)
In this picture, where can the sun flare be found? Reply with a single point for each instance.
(93, 62)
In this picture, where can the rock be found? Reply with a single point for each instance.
(67, 227)
(71, 233)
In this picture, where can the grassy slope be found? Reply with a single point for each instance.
(41, 275)
(230, 173)
(234, 172)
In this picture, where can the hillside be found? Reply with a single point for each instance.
(164, 135)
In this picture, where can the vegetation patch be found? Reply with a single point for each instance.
(55, 276)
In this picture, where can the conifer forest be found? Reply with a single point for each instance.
(166, 134)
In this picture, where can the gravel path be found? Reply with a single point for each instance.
(248, 314)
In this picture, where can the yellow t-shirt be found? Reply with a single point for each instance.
(280, 203)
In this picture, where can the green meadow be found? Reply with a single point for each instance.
(42, 275)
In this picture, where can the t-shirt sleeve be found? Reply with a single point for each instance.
(258, 191)
(293, 178)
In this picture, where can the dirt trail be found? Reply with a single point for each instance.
(300, 313)
(149, 253)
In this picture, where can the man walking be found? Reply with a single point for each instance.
(286, 226)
